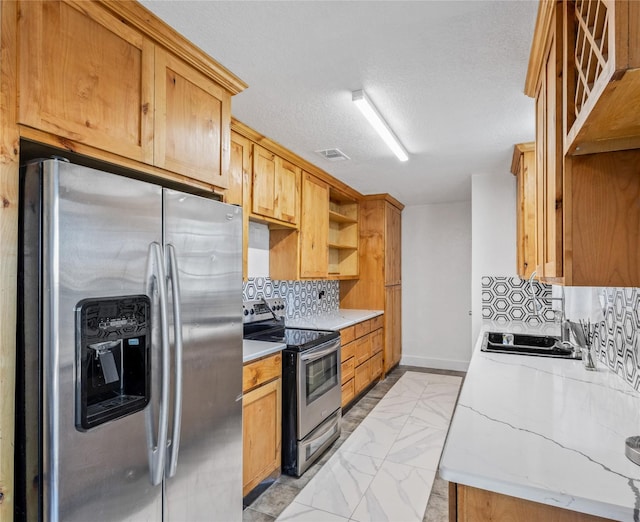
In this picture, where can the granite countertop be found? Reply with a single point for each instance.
(335, 320)
(545, 430)
(252, 350)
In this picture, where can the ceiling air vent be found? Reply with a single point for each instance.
(333, 154)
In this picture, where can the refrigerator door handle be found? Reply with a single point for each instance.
(174, 279)
(157, 448)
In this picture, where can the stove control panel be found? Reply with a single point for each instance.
(261, 309)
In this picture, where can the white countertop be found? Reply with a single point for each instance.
(335, 320)
(252, 350)
(545, 430)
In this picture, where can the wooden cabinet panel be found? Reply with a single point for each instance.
(469, 504)
(377, 341)
(549, 156)
(261, 433)
(238, 192)
(263, 183)
(376, 365)
(363, 328)
(261, 371)
(314, 228)
(347, 351)
(287, 191)
(363, 349)
(348, 392)
(377, 322)
(393, 245)
(86, 76)
(362, 377)
(348, 368)
(347, 334)
(192, 124)
(275, 187)
(393, 327)
(523, 167)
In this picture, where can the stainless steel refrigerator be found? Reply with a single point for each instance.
(130, 350)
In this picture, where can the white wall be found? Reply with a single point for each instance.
(493, 232)
(436, 280)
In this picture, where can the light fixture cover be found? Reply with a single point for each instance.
(370, 112)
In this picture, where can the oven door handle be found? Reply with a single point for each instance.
(320, 351)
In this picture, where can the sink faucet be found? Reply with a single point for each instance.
(565, 326)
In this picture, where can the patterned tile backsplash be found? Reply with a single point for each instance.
(617, 337)
(304, 298)
(507, 299)
(619, 334)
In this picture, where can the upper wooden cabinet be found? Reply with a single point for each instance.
(599, 71)
(113, 82)
(314, 229)
(313, 218)
(602, 75)
(524, 168)
(275, 187)
(588, 220)
(192, 123)
(86, 76)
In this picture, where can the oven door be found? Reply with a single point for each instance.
(318, 382)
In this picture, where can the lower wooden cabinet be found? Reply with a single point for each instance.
(468, 504)
(362, 356)
(261, 420)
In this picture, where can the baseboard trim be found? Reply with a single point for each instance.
(439, 364)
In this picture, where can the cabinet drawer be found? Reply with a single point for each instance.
(377, 341)
(347, 351)
(363, 328)
(376, 365)
(263, 370)
(362, 377)
(347, 369)
(363, 349)
(348, 392)
(377, 322)
(347, 334)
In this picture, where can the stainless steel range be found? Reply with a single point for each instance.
(311, 381)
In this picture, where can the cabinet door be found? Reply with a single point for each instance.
(192, 122)
(86, 76)
(549, 159)
(287, 191)
(314, 228)
(392, 245)
(526, 213)
(263, 188)
(261, 425)
(239, 189)
(392, 326)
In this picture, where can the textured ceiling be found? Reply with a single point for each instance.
(447, 76)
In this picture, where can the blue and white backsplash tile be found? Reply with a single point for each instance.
(507, 299)
(303, 298)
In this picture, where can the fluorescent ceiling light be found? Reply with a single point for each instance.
(377, 122)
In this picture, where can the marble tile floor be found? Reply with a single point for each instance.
(383, 466)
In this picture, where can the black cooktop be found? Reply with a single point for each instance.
(296, 339)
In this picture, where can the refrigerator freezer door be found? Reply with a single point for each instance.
(206, 237)
(96, 234)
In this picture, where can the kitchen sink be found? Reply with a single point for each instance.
(527, 344)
